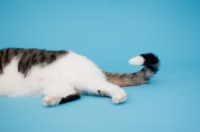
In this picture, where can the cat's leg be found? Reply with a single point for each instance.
(105, 88)
(59, 93)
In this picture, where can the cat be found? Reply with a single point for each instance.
(62, 76)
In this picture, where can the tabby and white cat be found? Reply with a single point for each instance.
(62, 76)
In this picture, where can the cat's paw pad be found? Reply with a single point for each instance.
(119, 98)
(51, 101)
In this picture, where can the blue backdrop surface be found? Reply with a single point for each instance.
(110, 32)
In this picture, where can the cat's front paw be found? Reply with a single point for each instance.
(51, 101)
(119, 97)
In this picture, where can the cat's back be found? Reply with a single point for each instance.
(28, 58)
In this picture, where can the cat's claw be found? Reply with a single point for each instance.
(51, 101)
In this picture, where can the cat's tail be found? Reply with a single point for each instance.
(151, 65)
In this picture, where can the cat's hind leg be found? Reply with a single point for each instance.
(59, 93)
(105, 88)
(117, 94)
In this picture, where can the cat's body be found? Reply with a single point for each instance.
(62, 76)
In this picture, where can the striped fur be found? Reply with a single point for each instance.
(28, 58)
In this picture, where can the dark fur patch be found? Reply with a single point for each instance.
(99, 92)
(102, 93)
(1, 67)
(151, 61)
(28, 58)
(70, 98)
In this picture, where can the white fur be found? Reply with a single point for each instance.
(137, 61)
(51, 100)
(67, 75)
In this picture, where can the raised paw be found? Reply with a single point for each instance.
(51, 101)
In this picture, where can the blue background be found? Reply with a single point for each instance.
(110, 32)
